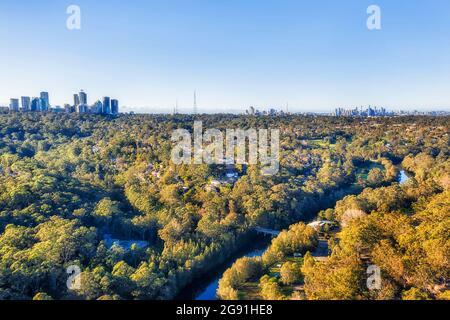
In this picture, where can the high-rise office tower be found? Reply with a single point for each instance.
(97, 107)
(83, 97)
(82, 108)
(68, 108)
(42, 104)
(106, 105)
(45, 101)
(35, 104)
(26, 103)
(76, 99)
(14, 105)
(115, 106)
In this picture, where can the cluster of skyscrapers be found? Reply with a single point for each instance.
(31, 104)
(363, 112)
(271, 112)
(80, 104)
(382, 112)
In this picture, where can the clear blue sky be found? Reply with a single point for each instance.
(315, 54)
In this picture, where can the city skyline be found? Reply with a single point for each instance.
(234, 55)
(194, 108)
(80, 104)
(107, 105)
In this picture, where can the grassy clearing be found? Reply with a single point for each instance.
(321, 143)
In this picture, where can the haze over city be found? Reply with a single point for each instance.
(152, 54)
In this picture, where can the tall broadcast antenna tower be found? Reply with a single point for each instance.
(195, 102)
(175, 109)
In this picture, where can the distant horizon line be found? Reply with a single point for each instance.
(224, 109)
(285, 107)
(187, 109)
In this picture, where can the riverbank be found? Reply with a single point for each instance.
(250, 288)
(205, 286)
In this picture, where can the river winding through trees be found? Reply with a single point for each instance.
(206, 288)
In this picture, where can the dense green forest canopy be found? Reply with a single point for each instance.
(72, 186)
(402, 230)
